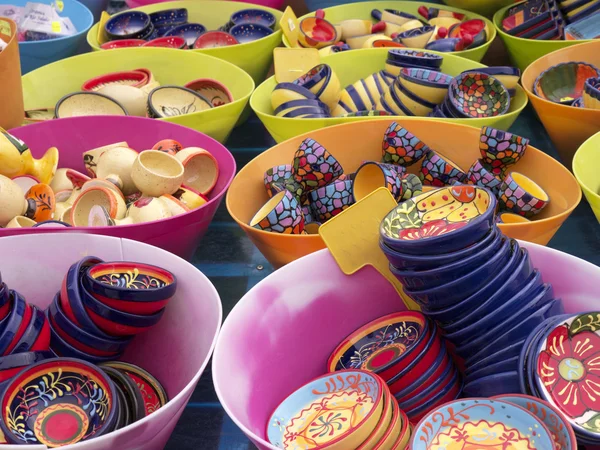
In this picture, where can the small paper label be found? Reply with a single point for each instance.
(60, 5)
(5, 28)
(291, 25)
(56, 28)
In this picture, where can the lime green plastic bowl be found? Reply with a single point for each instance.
(350, 66)
(523, 52)
(486, 8)
(43, 87)
(254, 57)
(363, 10)
(586, 167)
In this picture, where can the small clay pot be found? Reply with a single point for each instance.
(60, 181)
(21, 222)
(116, 164)
(132, 98)
(190, 197)
(175, 206)
(80, 212)
(156, 173)
(201, 169)
(12, 203)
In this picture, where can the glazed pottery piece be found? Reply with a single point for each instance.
(12, 201)
(11, 365)
(415, 58)
(174, 206)
(132, 98)
(20, 312)
(60, 182)
(276, 176)
(40, 203)
(402, 147)
(411, 186)
(169, 146)
(257, 16)
(371, 175)
(216, 92)
(169, 101)
(591, 94)
(290, 421)
(281, 214)
(40, 425)
(442, 220)
(123, 43)
(111, 201)
(190, 197)
(287, 92)
(437, 170)
(16, 159)
(170, 17)
(214, 39)
(564, 83)
(501, 148)
(118, 163)
(508, 217)
(316, 33)
(314, 166)
(188, 31)
(522, 195)
(128, 25)
(428, 84)
(417, 37)
(155, 173)
(508, 76)
(201, 170)
(20, 222)
(478, 95)
(133, 78)
(166, 42)
(323, 82)
(131, 393)
(330, 200)
(91, 157)
(88, 104)
(482, 175)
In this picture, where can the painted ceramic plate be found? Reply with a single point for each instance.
(480, 423)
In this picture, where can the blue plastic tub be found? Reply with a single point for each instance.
(96, 7)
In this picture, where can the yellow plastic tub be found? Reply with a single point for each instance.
(523, 52)
(254, 57)
(43, 87)
(363, 10)
(350, 66)
(486, 8)
(586, 167)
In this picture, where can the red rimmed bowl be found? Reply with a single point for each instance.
(123, 43)
(135, 78)
(11, 365)
(37, 412)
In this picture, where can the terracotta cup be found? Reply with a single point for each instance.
(12, 112)
(116, 164)
(201, 169)
(190, 197)
(91, 157)
(156, 173)
(12, 201)
(60, 181)
(114, 204)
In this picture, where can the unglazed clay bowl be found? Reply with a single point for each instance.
(169, 101)
(128, 25)
(131, 287)
(404, 334)
(440, 221)
(88, 104)
(156, 173)
(41, 423)
(564, 83)
(286, 421)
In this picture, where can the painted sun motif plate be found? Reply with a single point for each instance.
(338, 410)
(481, 423)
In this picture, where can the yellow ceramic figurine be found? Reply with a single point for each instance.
(16, 159)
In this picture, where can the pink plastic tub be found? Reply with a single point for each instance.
(72, 137)
(276, 4)
(279, 336)
(176, 350)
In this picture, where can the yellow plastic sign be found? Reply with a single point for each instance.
(5, 28)
(291, 63)
(56, 28)
(289, 26)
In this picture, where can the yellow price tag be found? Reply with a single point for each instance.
(56, 28)
(5, 28)
(60, 5)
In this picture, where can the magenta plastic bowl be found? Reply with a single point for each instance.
(276, 4)
(278, 336)
(188, 327)
(179, 235)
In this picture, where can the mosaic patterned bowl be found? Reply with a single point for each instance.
(477, 95)
(328, 201)
(314, 166)
(282, 213)
(564, 83)
(354, 398)
(482, 175)
(384, 346)
(58, 402)
(501, 148)
(437, 170)
(522, 195)
(478, 422)
(440, 221)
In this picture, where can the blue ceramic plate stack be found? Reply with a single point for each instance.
(477, 284)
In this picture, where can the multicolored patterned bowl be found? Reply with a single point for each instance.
(564, 83)
(477, 95)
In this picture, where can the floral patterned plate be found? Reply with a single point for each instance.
(58, 402)
(479, 423)
(440, 221)
(340, 410)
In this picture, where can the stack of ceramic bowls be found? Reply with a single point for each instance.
(558, 363)
(406, 351)
(508, 421)
(479, 286)
(351, 409)
(571, 83)
(101, 306)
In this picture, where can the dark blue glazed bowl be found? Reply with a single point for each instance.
(415, 32)
(495, 357)
(12, 364)
(416, 412)
(415, 58)
(188, 31)
(497, 384)
(32, 332)
(132, 394)
(454, 292)
(400, 104)
(248, 32)
(415, 399)
(13, 320)
(169, 17)
(253, 16)
(403, 261)
(51, 223)
(448, 273)
(128, 25)
(376, 14)
(309, 110)
(301, 103)
(425, 376)
(507, 365)
(443, 45)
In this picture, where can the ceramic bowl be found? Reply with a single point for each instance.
(172, 17)
(500, 148)
(134, 78)
(591, 93)
(482, 174)
(426, 378)
(189, 31)
(11, 365)
(123, 43)
(417, 37)
(169, 101)
(214, 39)
(476, 94)
(450, 392)
(508, 76)
(213, 90)
(166, 42)
(77, 423)
(326, 32)
(521, 195)
(131, 287)
(418, 106)
(468, 217)
(248, 32)
(493, 385)
(255, 16)
(402, 147)
(36, 336)
(306, 401)
(384, 346)
(564, 83)
(430, 85)
(88, 104)
(132, 395)
(13, 322)
(128, 25)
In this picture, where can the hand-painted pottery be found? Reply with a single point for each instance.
(522, 195)
(446, 45)
(11, 365)
(188, 31)
(352, 399)
(426, 378)
(449, 393)
(501, 148)
(213, 90)
(443, 220)
(36, 336)
(281, 214)
(248, 32)
(508, 76)
(90, 160)
(473, 30)
(384, 346)
(5, 302)
(477, 422)
(492, 385)
(477, 95)
(167, 42)
(379, 430)
(591, 94)
(560, 429)
(314, 166)
(330, 200)
(128, 25)
(564, 83)
(256, 16)
(20, 222)
(201, 169)
(481, 174)
(107, 198)
(418, 106)
(123, 43)
(411, 186)
(437, 170)
(132, 78)
(317, 33)
(449, 383)
(415, 58)
(13, 322)
(153, 394)
(287, 92)
(131, 393)
(78, 403)
(508, 217)
(428, 84)
(276, 175)
(169, 101)
(417, 37)
(170, 17)
(393, 16)
(213, 39)
(190, 197)
(88, 104)
(372, 175)
(323, 82)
